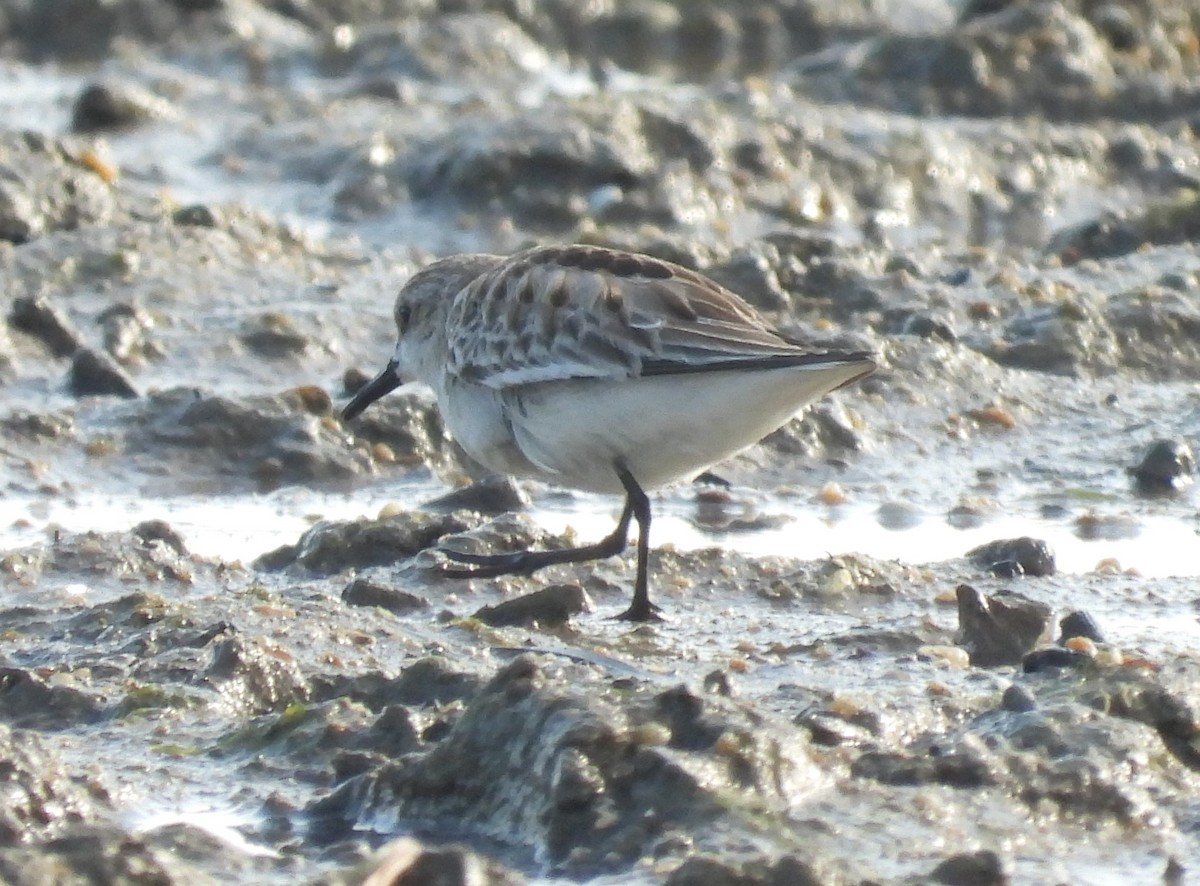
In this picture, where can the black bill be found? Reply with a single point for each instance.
(384, 383)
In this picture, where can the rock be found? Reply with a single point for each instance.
(1170, 707)
(751, 276)
(556, 770)
(961, 763)
(898, 515)
(30, 702)
(999, 629)
(909, 321)
(719, 510)
(252, 678)
(549, 607)
(1012, 557)
(405, 862)
(718, 683)
(827, 729)
(45, 322)
(365, 592)
(104, 557)
(1078, 624)
(1175, 874)
(263, 441)
(704, 870)
(685, 716)
(1018, 699)
(410, 426)
(273, 337)
(329, 546)
(427, 682)
(48, 185)
(109, 106)
(96, 374)
(159, 531)
(125, 328)
(982, 868)
(86, 30)
(393, 732)
(198, 215)
(829, 426)
(491, 495)
(1168, 468)
(19, 218)
(104, 853)
(1051, 658)
(431, 681)
(545, 168)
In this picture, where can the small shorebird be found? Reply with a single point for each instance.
(600, 370)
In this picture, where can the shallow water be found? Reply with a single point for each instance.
(1150, 543)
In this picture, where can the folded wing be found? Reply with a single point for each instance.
(556, 313)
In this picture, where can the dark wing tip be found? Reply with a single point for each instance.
(753, 363)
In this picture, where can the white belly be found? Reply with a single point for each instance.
(662, 428)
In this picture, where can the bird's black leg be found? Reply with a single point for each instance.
(528, 562)
(636, 500)
(637, 505)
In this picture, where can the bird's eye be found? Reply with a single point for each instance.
(403, 315)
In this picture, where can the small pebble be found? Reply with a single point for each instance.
(91, 159)
(314, 399)
(994, 415)
(548, 607)
(94, 373)
(844, 707)
(495, 494)
(1051, 658)
(365, 592)
(649, 734)
(1083, 645)
(100, 447)
(383, 454)
(1167, 469)
(1017, 699)
(955, 656)
(108, 106)
(37, 317)
(832, 494)
(1012, 557)
(982, 868)
(717, 682)
(197, 215)
(999, 629)
(838, 582)
(1078, 624)
(946, 598)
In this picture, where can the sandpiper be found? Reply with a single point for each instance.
(600, 370)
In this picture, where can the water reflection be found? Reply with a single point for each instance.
(1154, 544)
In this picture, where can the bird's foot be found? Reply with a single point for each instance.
(487, 565)
(641, 611)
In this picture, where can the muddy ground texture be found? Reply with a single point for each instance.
(206, 207)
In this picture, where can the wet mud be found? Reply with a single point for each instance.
(206, 208)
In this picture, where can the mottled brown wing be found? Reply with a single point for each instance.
(556, 313)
